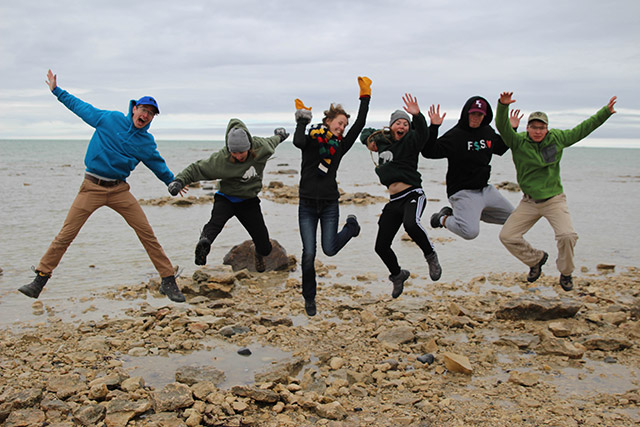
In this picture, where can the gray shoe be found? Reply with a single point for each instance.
(169, 288)
(536, 270)
(34, 288)
(435, 271)
(398, 282)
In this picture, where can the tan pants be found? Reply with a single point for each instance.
(528, 212)
(91, 197)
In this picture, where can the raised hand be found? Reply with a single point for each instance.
(365, 86)
(282, 133)
(505, 98)
(52, 80)
(514, 118)
(411, 104)
(612, 103)
(434, 115)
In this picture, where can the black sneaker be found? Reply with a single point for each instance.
(435, 271)
(352, 219)
(536, 270)
(169, 288)
(310, 307)
(435, 218)
(202, 250)
(259, 261)
(398, 282)
(34, 288)
(566, 282)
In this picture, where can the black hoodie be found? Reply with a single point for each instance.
(468, 151)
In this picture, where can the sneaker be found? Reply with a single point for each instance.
(566, 282)
(398, 282)
(202, 250)
(536, 270)
(310, 307)
(352, 219)
(169, 288)
(34, 288)
(259, 260)
(435, 271)
(435, 218)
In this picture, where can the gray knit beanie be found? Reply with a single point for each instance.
(397, 115)
(238, 141)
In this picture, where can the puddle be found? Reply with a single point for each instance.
(596, 377)
(159, 371)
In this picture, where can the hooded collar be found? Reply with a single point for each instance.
(463, 123)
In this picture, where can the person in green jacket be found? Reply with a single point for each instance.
(536, 154)
(239, 166)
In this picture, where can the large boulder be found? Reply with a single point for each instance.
(243, 256)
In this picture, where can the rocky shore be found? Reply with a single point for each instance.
(494, 351)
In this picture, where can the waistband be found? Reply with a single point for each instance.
(102, 182)
(405, 193)
(528, 197)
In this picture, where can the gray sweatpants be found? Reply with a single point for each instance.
(472, 206)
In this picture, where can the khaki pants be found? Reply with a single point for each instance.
(528, 212)
(91, 197)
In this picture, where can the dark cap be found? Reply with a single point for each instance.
(478, 106)
(147, 100)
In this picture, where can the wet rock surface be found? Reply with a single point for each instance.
(487, 358)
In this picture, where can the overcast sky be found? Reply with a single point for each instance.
(208, 61)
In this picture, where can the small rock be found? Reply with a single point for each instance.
(426, 358)
(457, 363)
(610, 359)
(244, 352)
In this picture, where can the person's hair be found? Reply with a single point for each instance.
(251, 153)
(334, 111)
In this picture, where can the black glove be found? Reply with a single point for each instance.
(174, 187)
(303, 116)
(282, 133)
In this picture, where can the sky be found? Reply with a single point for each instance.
(208, 61)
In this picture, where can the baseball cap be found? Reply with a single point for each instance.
(538, 115)
(478, 106)
(148, 100)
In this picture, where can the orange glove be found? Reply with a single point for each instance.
(365, 86)
(300, 105)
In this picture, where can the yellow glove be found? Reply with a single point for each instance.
(300, 105)
(365, 86)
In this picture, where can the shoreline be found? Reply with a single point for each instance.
(353, 364)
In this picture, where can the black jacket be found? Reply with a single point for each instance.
(312, 185)
(468, 151)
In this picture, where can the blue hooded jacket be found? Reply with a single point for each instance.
(116, 146)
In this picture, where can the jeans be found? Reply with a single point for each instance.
(327, 213)
(248, 213)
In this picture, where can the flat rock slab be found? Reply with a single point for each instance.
(536, 308)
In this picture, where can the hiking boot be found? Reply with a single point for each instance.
(435, 218)
(310, 307)
(352, 219)
(435, 271)
(398, 282)
(34, 288)
(169, 288)
(536, 270)
(259, 260)
(566, 282)
(202, 250)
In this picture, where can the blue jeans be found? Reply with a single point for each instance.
(327, 213)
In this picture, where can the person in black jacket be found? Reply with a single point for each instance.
(322, 150)
(468, 148)
(398, 149)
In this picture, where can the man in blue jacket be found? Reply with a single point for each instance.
(118, 144)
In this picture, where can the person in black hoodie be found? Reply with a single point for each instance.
(468, 148)
(398, 149)
(322, 150)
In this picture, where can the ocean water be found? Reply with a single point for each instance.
(40, 179)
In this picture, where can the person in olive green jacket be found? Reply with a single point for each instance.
(536, 154)
(239, 166)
